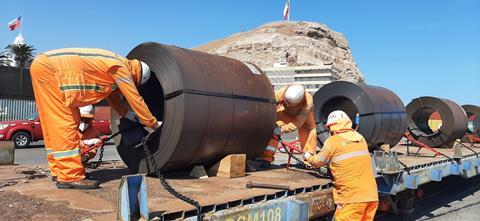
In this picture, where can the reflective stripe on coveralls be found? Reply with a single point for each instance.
(66, 79)
(51, 161)
(350, 155)
(66, 153)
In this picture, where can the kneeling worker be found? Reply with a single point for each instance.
(294, 112)
(346, 151)
(89, 135)
(64, 80)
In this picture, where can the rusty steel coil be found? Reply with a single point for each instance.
(210, 105)
(473, 117)
(453, 121)
(378, 114)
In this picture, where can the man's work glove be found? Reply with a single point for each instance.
(290, 127)
(152, 131)
(92, 142)
(158, 125)
(314, 161)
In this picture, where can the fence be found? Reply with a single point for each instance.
(16, 107)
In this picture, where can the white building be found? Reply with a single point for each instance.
(311, 77)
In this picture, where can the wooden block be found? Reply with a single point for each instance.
(231, 166)
(198, 172)
(7, 152)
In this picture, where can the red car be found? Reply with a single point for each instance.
(23, 132)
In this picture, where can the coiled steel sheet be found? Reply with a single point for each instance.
(378, 114)
(473, 115)
(210, 105)
(453, 121)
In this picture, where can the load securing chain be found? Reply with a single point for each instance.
(167, 186)
(301, 162)
(96, 164)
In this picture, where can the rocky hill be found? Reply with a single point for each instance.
(299, 43)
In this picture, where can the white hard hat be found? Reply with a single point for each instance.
(145, 73)
(87, 111)
(335, 116)
(294, 94)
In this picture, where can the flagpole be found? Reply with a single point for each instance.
(289, 10)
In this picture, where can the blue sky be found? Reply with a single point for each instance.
(412, 47)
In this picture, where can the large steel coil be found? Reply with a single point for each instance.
(453, 121)
(210, 105)
(378, 114)
(473, 116)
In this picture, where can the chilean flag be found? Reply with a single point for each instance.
(16, 23)
(286, 11)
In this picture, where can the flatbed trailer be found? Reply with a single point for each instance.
(229, 199)
(310, 196)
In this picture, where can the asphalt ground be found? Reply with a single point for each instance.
(36, 154)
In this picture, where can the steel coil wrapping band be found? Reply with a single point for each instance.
(210, 105)
(453, 125)
(378, 114)
(473, 115)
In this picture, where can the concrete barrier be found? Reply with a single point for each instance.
(7, 152)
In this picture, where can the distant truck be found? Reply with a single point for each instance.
(23, 132)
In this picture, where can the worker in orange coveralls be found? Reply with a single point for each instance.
(346, 151)
(90, 136)
(64, 80)
(294, 112)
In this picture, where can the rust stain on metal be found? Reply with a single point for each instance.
(319, 203)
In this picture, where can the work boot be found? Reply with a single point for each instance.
(84, 184)
(88, 176)
(264, 164)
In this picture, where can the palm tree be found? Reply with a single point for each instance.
(4, 61)
(23, 55)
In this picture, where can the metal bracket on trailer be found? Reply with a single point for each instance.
(387, 171)
(132, 198)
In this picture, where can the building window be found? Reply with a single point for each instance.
(309, 71)
(317, 78)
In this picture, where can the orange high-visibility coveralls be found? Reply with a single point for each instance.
(89, 133)
(355, 191)
(64, 80)
(292, 118)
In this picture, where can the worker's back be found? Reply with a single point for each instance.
(90, 61)
(88, 75)
(351, 166)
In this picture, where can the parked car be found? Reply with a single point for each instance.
(23, 132)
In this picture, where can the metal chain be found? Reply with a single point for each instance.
(168, 187)
(301, 162)
(96, 164)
